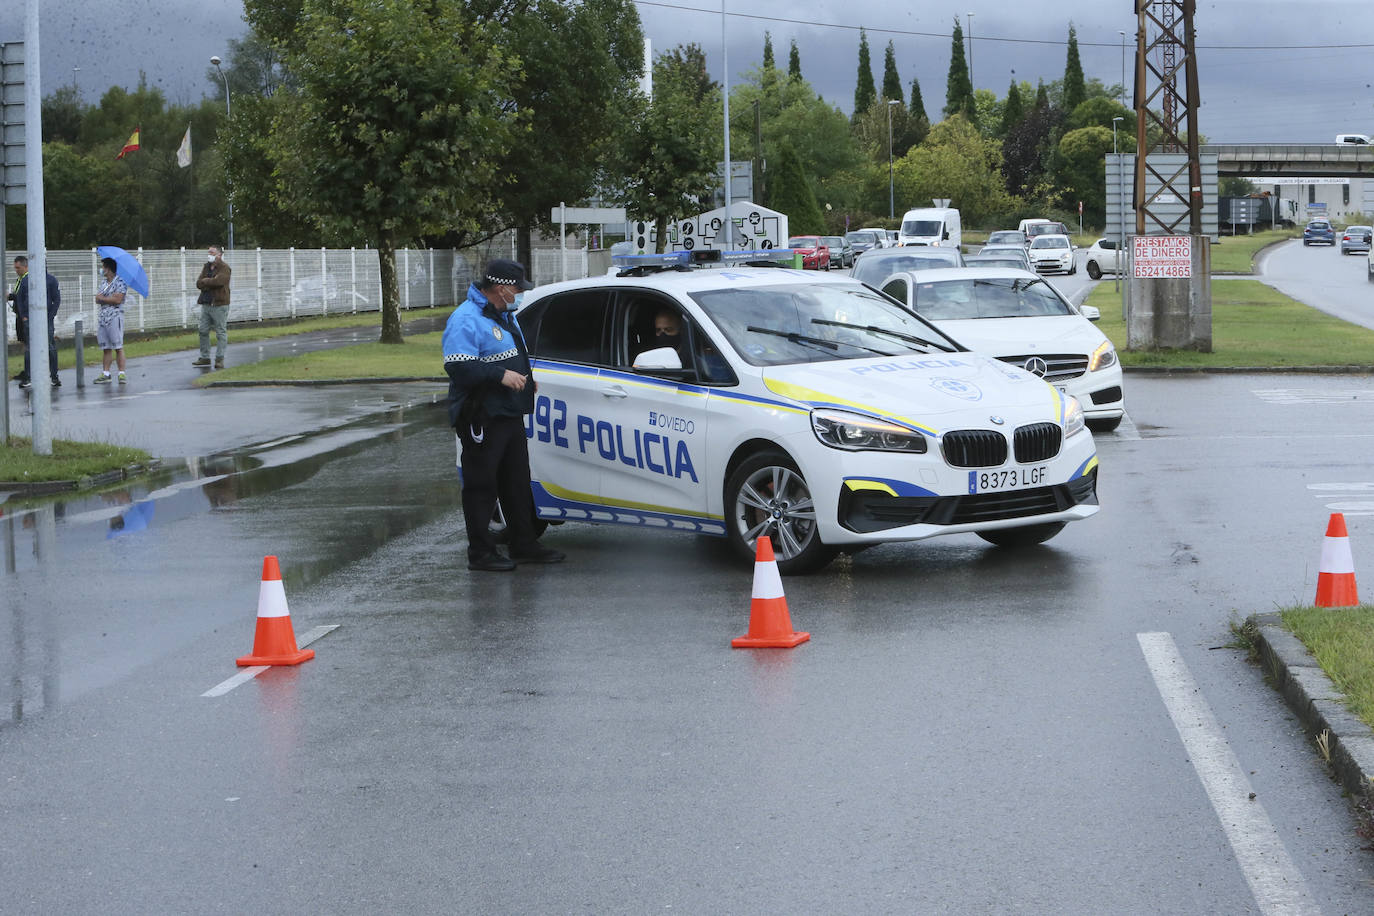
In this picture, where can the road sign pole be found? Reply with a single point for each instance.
(41, 392)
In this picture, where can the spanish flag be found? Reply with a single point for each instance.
(131, 146)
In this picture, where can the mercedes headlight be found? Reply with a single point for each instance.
(1103, 356)
(1073, 416)
(857, 433)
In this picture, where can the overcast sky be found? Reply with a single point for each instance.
(1270, 70)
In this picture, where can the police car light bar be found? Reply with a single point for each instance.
(666, 259)
(780, 255)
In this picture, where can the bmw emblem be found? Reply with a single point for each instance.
(997, 420)
(1036, 367)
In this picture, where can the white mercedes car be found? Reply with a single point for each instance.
(1021, 319)
(808, 408)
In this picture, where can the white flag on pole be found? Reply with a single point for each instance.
(184, 151)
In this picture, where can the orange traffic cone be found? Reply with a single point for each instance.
(275, 641)
(1336, 575)
(770, 626)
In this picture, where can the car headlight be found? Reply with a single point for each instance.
(857, 433)
(1073, 416)
(1103, 356)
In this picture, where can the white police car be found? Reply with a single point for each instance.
(807, 408)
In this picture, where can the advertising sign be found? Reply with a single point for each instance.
(1157, 256)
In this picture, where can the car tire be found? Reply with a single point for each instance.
(1027, 536)
(1094, 271)
(1103, 424)
(1073, 270)
(750, 502)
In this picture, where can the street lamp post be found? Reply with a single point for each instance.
(969, 20)
(76, 87)
(228, 113)
(1123, 66)
(1120, 211)
(891, 198)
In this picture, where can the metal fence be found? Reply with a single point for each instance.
(287, 283)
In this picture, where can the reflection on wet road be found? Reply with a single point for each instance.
(101, 583)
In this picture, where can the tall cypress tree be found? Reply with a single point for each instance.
(794, 62)
(892, 83)
(790, 192)
(958, 86)
(768, 62)
(1013, 110)
(1042, 95)
(918, 107)
(1074, 90)
(865, 93)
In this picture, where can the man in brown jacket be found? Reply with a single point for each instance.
(213, 284)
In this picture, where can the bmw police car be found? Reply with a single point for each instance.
(741, 401)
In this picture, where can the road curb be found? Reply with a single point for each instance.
(88, 482)
(1248, 370)
(1316, 701)
(323, 382)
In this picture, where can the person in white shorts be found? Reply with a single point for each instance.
(109, 331)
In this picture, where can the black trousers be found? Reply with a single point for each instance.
(52, 350)
(498, 467)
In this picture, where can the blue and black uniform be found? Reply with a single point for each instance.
(21, 307)
(480, 344)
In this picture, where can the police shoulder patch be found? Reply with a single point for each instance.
(496, 332)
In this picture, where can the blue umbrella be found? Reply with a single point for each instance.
(127, 267)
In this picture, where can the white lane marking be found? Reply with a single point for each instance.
(247, 674)
(1314, 395)
(1278, 886)
(1352, 499)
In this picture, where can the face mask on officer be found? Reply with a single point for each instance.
(515, 301)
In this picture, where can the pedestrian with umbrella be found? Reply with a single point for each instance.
(109, 331)
(122, 273)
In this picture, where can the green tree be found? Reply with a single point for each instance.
(61, 114)
(917, 106)
(768, 62)
(393, 132)
(794, 62)
(1231, 185)
(669, 161)
(864, 90)
(791, 194)
(958, 86)
(892, 83)
(1098, 112)
(1012, 109)
(989, 113)
(1081, 173)
(957, 162)
(768, 73)
(871, 131)
(1025, 150)
(1074, 90)
(252, 66)
(581, 65)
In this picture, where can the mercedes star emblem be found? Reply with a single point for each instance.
(1036, 366)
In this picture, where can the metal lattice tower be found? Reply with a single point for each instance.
(1164, 34)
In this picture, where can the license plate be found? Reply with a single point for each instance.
(1010, 479)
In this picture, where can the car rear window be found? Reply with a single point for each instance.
(1012, 297)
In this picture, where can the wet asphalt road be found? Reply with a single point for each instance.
(968, 731)
(1322, 277)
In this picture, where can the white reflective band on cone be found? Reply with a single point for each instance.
(767, 581)
(272, 599)
(1336, 556)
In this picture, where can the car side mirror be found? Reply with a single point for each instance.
(1090, 312)
(658, 358)
(945, 237)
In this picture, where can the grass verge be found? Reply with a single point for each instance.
(68, 461)
(1342, 641)
(419, 357)
(1235, 254)
(1253, 325)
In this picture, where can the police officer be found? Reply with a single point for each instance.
(490, 390)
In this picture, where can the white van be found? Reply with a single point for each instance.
(935, 226)
(1357, 139)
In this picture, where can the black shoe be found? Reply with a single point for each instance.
(491, 562)
(56, 382)
(539, 555)
(25, 384)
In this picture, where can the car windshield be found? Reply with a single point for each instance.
(803, 241)
(1357, 228)
(1042, 229)
(1050, 241)
(1010, 237)
(1318, 224)
(876, 266)
(1003, 297)
(815, 322)
(861, 237)
(833, 241)
(923, 227)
